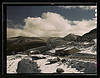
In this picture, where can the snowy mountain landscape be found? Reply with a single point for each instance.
(57, 39)
(70, 54)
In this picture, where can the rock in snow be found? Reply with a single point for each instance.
(54, 60)
(37, 57)
(27, 66)
(59, 70)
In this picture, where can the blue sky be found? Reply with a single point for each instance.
(18, 18)
(19, 13)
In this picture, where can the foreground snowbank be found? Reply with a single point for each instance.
(71, 66)
(12, 62)
(27, 66)
(46, 67)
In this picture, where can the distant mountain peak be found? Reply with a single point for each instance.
(88, 36)
(70, 37)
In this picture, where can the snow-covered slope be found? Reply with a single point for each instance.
(70, 66)
(46, 67)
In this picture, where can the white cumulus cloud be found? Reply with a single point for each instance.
(51, 25)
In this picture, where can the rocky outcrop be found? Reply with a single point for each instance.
(27, 66)
(66, 52)
(85, 67)
(37, 57)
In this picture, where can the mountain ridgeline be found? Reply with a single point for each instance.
(71, 37)
(21, 43)
(88, 36)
